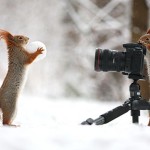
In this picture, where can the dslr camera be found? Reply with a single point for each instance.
(129, 62)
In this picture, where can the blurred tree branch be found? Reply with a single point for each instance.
(97, 23)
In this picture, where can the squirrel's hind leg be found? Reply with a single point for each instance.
(11, 125)
(1, 117)
(8, 123)
(149, 119)
(149, 123)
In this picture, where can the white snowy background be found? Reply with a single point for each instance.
(63, 89)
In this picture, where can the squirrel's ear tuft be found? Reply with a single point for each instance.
(148, 31)
(5, 35)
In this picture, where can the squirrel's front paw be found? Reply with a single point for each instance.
(40, 50)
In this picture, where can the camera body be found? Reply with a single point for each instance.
(129, 62)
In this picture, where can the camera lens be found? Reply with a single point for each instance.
(109, 60)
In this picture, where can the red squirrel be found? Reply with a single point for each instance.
(19, 59)
(145, 40)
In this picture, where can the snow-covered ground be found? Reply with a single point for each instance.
(55, 125)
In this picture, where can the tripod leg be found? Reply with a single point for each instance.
(149, 119)
(109, 116)
(135, 116)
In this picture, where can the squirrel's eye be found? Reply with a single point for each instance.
(147, 39)
(20, 38)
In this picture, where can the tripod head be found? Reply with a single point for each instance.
(135, 76)
(135, 91)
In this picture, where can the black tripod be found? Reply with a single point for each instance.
(135, 103)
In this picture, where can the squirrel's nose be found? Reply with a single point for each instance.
(27, 38)
(140, 41)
